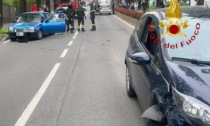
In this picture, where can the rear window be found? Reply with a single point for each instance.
(197, 43)
(104, 6)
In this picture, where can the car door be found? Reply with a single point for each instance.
(147, 77)
(54, 24)
(137, 75)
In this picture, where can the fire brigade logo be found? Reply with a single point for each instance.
(173, 14)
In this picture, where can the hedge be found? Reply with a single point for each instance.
(130, 13)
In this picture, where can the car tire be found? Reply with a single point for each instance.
(129, 89)
(12, 39)
(39, 35)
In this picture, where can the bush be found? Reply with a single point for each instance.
(3, 31)
(130, 13)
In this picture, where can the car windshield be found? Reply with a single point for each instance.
(197, 42)
(29, 18)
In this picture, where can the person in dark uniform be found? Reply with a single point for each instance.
(70, 17)
(92, 16)
(113, 7)
(80, 17)
(161, 5)
(97, 7)
(144, 6)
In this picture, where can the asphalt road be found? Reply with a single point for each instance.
(68, 80)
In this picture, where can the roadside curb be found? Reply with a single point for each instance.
(128, 19)
(4, 38)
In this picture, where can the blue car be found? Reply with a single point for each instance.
(37, 24)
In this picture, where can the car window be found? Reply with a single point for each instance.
(140, 27)
(104, 6)
(196, 44)
(57, 18)
(150, 36)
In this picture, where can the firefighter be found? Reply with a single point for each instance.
(97, 8)
(80, 17)
(70, 15)
(92, 17)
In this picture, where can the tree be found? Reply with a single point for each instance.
(22, 6)
(139, 4)
(1, 13)
(38, 3)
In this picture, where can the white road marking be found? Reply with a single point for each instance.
(33, 103)
(75, 35)
(64, 53)
(6, 42)
(124, 22)
(70, 43)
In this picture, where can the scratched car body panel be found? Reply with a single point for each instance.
(171, 73)
(36, 24)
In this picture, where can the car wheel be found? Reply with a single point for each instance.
(129, 88)
(12, 39)
(39, 35)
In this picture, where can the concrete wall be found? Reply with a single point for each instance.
(8, 13)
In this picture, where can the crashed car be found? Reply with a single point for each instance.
(170, 75)
(37, 24)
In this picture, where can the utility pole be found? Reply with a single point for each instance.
(139, 4)
(1, 13)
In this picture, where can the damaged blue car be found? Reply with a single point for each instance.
(36, 25)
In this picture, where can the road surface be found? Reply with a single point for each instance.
(68, 79)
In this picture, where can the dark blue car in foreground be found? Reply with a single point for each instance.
(171, 75)
(37, 24)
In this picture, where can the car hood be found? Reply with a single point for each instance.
(24, 25)
(191, 80)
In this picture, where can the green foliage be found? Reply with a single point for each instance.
(3, 31)
(17, 2)
(152, 8)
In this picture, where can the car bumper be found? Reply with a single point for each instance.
(105, 12)
(26, 34)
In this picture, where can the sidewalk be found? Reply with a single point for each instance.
(6, 25)
(4, 37)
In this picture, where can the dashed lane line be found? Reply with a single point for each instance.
(70, 43)
(33, 103)
(75, 35)
(64, 53)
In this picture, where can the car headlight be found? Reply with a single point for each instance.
(31, 29)
(193, 107)
(10, 29)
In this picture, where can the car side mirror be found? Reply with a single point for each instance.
(46, 21)
(15, 21)
(140, 58)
